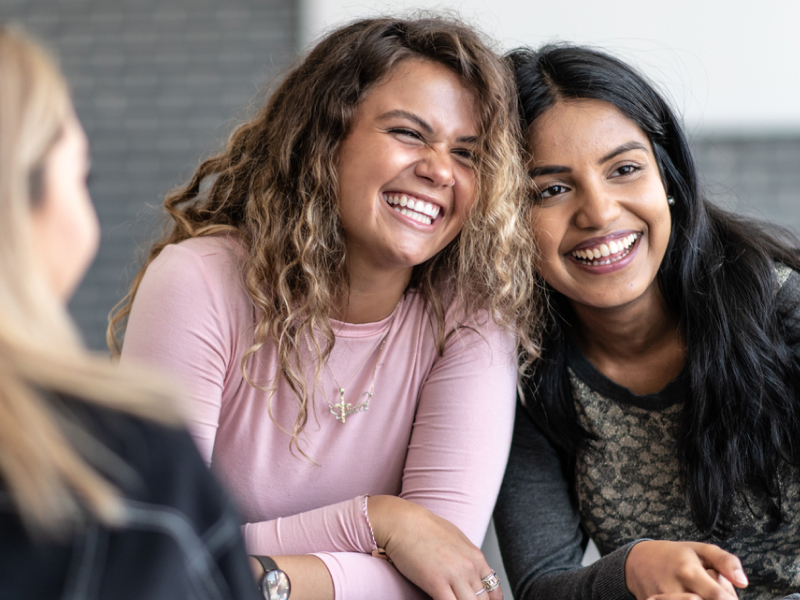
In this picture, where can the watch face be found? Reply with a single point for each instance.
(276, 583)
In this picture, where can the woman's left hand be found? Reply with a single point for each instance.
(430, 551)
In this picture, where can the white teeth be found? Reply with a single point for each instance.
(620, 246)
(413, 215)
(419, 210)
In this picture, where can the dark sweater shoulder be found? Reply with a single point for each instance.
(151, 462)
(181, 536)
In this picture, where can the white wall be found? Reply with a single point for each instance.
(730, 66)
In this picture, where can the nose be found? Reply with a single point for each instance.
(436, 166)
(597, 207)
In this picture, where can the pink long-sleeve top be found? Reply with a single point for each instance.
(437, 431)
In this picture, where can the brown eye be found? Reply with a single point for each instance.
(551, 192)
(407, 133)
(627, 170)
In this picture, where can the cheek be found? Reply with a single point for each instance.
(660, 220)
(467, 196)
(91, 228)
(548, 232)
(75, 239)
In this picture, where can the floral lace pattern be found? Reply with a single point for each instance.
(630, 486)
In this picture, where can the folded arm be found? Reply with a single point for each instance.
(181, 323)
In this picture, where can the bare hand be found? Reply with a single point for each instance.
(722, 580)
(430, 551)
(659, 570)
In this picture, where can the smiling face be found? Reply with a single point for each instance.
(64, 225)
(602, 220)
(406, 173)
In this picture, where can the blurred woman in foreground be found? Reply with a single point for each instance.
(101, 494)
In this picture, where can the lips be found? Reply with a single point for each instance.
(606, 253)
(414, 208)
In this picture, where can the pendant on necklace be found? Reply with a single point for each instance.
(341, 409)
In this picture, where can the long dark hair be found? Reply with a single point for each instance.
(739, 425)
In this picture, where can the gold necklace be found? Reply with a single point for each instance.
(342, 409)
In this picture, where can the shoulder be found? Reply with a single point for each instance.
(178, 518)
(788, 281)
(787, 294)
(213, 259)
(461, 329)
(787, 302)
(156, 467)
(473, 340)
(197, 272)
(153, 461)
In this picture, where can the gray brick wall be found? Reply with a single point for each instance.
(156, 84)
(758, 176)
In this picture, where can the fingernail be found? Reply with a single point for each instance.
(740, 577)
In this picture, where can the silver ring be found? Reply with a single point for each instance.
(480, 591)
(491, 582)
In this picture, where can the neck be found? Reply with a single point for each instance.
(373, 294)
(638, 345)
(626, 330)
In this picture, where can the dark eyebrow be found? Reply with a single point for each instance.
(548, 170)
(553, 170)
(622, 149)
(422, 124)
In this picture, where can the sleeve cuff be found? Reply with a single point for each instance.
(610, 580)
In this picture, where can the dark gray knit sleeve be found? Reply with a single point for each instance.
(538, 528)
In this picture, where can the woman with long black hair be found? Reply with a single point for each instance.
(662, 417)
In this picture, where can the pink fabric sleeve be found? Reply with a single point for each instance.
(455, 464)
(462, 431)
(181, 323)
(175, 325)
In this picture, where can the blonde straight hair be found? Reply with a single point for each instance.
(41, 356)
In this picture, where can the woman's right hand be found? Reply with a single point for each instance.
(429, 551)
(661, 570)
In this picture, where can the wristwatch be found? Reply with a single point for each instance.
(275, 584)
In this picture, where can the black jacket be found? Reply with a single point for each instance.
(181, 541)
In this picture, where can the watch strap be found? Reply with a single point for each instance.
(267, 563)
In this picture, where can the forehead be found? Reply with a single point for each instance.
(581, 128)
(422, 86)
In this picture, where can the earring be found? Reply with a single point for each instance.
(452, 183)
(671, 200)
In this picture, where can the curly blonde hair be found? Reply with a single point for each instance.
(275, 188)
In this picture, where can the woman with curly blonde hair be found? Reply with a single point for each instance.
(102, 494)
(339, 294)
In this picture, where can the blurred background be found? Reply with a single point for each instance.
(159, 84)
